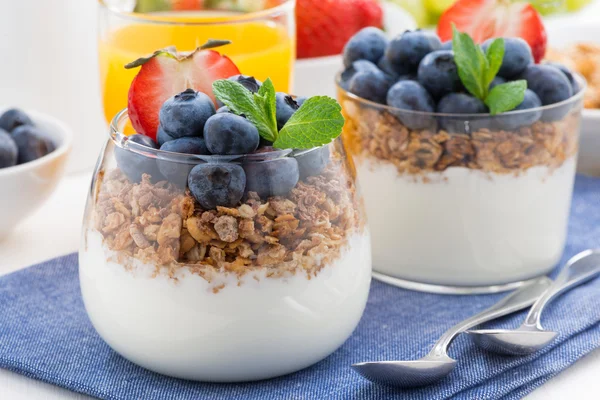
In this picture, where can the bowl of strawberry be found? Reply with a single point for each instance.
(467, 149)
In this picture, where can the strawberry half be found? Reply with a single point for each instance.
(485, 19)
(167, 73)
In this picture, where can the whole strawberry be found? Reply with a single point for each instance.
(324, 26)
(486, 19)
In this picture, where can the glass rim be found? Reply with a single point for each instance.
(571, 100)
(284, 7)
(122, 141)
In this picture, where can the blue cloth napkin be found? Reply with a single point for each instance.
(45, 334)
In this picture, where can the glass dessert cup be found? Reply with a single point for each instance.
(263, 41)
(231, 294)
(464, 203)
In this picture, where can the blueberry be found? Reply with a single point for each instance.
(314, 161)
(272, 177)
(411, 96)
(162, 137)
(406, 51)
(31, 142)
(300, 100)
(215, 185)
(14, 118)
(551, 86)
(177, 172)
(438, 73)
(286, 106)
(447, 45)
(185, 114)
(368, 44)
(8, 150)
(460, 103)
(568, 73)
(187, 145)
(133, 164)
(371, 85)
(517, 56)
(230, 134)
(511, 122)
(385, 65)
(264, 143)
(356, 67)
(249, 82)
(497, 81)
(223, 110)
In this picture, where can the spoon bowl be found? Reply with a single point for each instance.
(514, 343)
(531, 336)
(406, 374)
(438, 364)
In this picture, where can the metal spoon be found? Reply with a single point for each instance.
(437, 364)
(530, 336)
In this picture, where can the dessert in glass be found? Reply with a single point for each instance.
(462, 195)
(263, 36)
(237, 250)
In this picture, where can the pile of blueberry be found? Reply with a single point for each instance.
(416, 71)
(20, 140)
(190, 124)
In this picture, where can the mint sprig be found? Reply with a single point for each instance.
(506, 96)
(317, 122)
(241, 101)
(477, 71)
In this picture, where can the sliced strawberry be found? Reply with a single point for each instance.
(166, 73)
(485, 19)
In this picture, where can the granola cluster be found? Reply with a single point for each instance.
(380, 135)
(163, 225)
(585, 59)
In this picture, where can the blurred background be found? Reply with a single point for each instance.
(66, 57)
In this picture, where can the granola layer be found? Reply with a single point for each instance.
(163, 225)
(377, 134)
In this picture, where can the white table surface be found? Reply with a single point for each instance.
(56, 231)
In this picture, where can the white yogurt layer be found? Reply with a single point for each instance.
(466, 227)
(264, 327)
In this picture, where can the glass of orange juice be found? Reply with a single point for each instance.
(262, 32)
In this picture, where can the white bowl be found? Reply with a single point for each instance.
(26, 187)
(563, 32)
(316, 76)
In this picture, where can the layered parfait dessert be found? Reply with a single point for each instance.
(225, 240)
(466, 154)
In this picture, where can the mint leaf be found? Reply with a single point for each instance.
(241, 101)
(471, 62)
(316, 123)
(494, 55)
(265, 100)
(506, 96)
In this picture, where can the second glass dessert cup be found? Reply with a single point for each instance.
(464, 203)
(241, 293)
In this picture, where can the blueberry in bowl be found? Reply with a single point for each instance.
(469, 140)
(34, 148)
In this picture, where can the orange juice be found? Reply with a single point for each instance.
(259, 48)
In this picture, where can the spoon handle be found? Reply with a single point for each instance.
(517, 300)
(579, 269)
